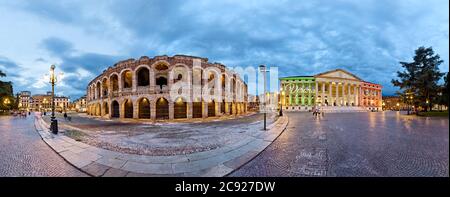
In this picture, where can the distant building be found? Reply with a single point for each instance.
(25, 100)
(42, 102)
(335, 90)
(394, 103)
(79, 105)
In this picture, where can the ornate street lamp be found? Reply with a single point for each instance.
(54, 122)
(281, 101)
(263, 70)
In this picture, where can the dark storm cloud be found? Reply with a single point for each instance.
(9, 67)
(367, 38)
(72, 61)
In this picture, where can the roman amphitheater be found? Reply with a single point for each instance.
(178, 87)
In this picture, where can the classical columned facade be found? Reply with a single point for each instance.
(336, 89)
(178, 87)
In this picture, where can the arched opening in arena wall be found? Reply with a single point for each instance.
(211, 108)
(115, 109)
(143, 77)
(144, 108)
(222, 107)
(114, 83)
(127, 79)
(105, 108)
(98, 90)
(105, 87)
(180, 108)
(162, 108)
(128, 108)
(197, 110)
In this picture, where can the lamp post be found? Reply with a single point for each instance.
(263, 70)
(6, 102)
(281, 101)
(54, 122)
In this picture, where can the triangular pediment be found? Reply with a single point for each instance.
(338, 73)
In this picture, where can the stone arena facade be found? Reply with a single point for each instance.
(178, 87)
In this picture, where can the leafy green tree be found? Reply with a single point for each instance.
(406, 82)
(419, 81)
(6, 92)
(429, 76)
(443, 99)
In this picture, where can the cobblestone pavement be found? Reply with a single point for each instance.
(23, 153)
(162, 139)
(356, 144)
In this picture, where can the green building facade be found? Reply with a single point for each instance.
(298, 92)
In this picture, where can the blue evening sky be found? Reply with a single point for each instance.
(301, 37)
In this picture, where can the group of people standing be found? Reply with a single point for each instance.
(317, 112)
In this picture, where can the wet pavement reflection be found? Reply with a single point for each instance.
(356, 144)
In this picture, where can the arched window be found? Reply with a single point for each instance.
(127, 79)
(161, 81)
(114, 82)
(143, 75)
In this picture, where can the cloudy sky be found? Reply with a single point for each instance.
(365, 37)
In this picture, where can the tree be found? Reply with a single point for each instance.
(6, 93)
(443, 98)
(419, 81)
(429, 76)
(407, 81)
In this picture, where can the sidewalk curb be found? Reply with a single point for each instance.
(218, 162)
(282, 130)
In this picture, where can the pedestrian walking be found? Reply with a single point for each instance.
(65, 115)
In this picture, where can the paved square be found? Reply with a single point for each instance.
(166, 138)
(356, 144)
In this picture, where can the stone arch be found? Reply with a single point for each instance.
(157, 66)
(161, 81)
(115, 109)
(126, 79)
(98, 90)
(197, 109)
(162, 108)
(105, 86)
(114, 81)
(212, 76)
(180, 108)
(222, 106)
(144, 108)
(105, 108)
(180, 70)
(142, 74)
(233, 87)
(98, 109)
(212, 108)
(128, 108)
